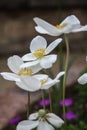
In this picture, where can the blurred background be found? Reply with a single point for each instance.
(16, 32)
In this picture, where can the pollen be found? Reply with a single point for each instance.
(61, 26)
(25, 72)
(39, 53)
(43, 81)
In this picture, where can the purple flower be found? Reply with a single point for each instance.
(67, 102)
(46, 102)
(70, 115)
(14, 120)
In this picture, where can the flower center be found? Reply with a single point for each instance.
(43, 81)
(42, 113)
(25, 72)
(39, 53)
(61, 26)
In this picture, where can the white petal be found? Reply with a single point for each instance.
(33, 116)
(72, 23)
(22, 86)
(41, 76)
(29, 64)
(29, 83)
(59, 75)
(52, 30)
(29, 57)
(43, 125)
(53, 45)
(72, 20)
(82, 28)
(10, 76)
(47, 61)
(34, 68)
(27, 125)
(83, 79)
(37, 43)
(49, 84)
(41, 30)
(54, 120)
(14, 63)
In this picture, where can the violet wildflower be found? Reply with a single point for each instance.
(67, 102)
(70, 115)
(45, 102)
(14, 120)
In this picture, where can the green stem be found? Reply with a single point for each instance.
(28, 105)
(43, 99)
(60, 69)
(50, 98)
(65, 75)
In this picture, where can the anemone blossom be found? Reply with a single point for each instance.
(68, 25)
(40, 52)
(41, 120)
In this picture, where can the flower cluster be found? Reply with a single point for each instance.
(24, 74)
(26, 70)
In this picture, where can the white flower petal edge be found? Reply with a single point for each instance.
(43, 125)
(29, 64)
(72, 20)
(53, 45)
(10, 76)
(49, 83)
(82, 28)
(27, 125)
(14, 63)
(83, 79)
(29, 83)
(52, 30)
(37, 43)
(71, 23)
(59, 75)
(41, 76)
(33, 116)
(41, 30)
(48, 61)
(55, 120)
(28, 57)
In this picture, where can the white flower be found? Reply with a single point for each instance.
(83, 79)
(40, 51)
(69, 24)
(37, 82)
(14, 63)
(41, 120)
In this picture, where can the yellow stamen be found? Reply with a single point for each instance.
(43, 81)
(61, 26)
(39, 53)
(25, 72)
